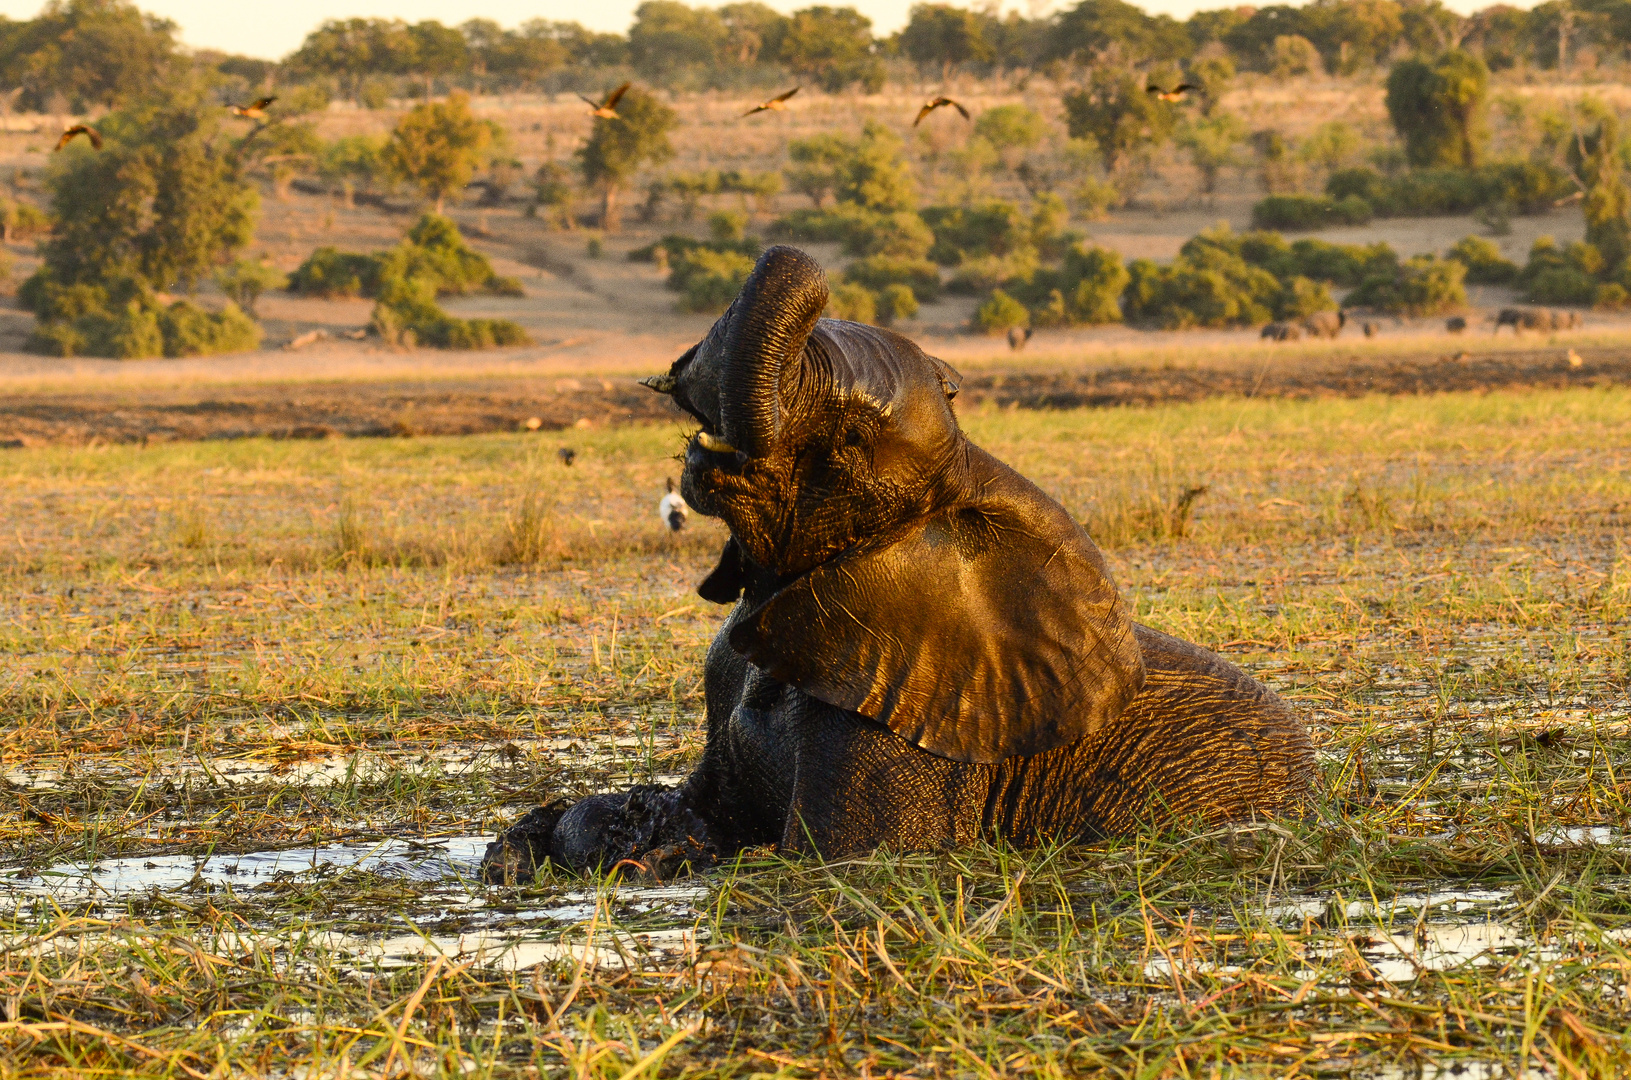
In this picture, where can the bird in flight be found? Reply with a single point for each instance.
(79, 129)
(776, 104)
(935, 104)
(607, 109)
(255, 110)
(1175, 94)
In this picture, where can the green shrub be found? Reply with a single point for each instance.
(1422, 285)
(1341, 264)
(983, 273)
(896, 301)
(246, 279)
(673, 246)
(1000, 313)
(708, 280)
(862, 232)
(727, 226)
(332, 274)
(1085, 290)
(1529, 187)
(1562, 285)
(857, 303)
(1612, 296)
(505, 286)
(1309, 212)
(188, 330)
(877, 272)
(406, 313)
(994, 227)
(1483, 261)
(1300, 297)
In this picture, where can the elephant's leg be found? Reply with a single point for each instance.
(652, 826)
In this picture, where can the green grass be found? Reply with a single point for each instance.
(1442, 586)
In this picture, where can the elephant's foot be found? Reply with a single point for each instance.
(647, 829)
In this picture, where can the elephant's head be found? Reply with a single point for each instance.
(919, 581)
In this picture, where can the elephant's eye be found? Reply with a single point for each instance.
(853, 436)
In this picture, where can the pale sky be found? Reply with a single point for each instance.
(274, 30)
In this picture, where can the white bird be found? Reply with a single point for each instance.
(671, 509)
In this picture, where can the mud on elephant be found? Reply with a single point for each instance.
(924, 648)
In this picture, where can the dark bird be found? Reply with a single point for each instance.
(935, 104)
(79, 129)
(567, 456)
(671, 509)
(1175, 94)
(1018, 336)
(606, 109)
(255, 110)
(775, 104)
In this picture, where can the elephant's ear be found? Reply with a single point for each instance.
(987, 630)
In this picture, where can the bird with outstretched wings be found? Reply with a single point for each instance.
(938, 103)
(775, 104)
(79, 129)
(1175, 94)
(255, 110)
(606, 109)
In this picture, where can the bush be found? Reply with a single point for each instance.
(1342, 264)
(962, 233)
(853, 302)
(1562, 285)
(1483, 261)
(1528, 187)
(246, 279)
(877, 272)
(1000, 313)
(861, 231)
(1556, 275)
(707, 279)
(1309, 212)
(1423, 285)
(188, 330)
(896, 301)
(332, 274)
(1300, 297)
(1211, 287)
(1084, 291)
(406, 313)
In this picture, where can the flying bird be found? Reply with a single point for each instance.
(255, 110)
(935, 104)
(79, 129)
(671, 509)
(567, 456)
(775, 104)
(1175, 94)
(607, 109)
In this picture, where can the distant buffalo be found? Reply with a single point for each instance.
(1455, 324)
(1282, 331)
(1542, 319)
(1326, 324)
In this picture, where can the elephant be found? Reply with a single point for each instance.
(924, 650)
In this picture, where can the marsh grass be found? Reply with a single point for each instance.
(1463, 659)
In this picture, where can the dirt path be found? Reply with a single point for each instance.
(499, 402)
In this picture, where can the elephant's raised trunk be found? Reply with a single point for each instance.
(767, 327)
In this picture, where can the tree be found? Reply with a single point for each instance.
(816, 163)
(159, 207)
(1212, 142)
(668, 36)
(827, 43)
(1438, 108)
(756, 31)
(1096, 29)
(875, 173)
(947, 37)
(1595, 159)
(351, 50)
(1351, 34)
(435, 52)
(617, 148)
(1212, 74)
(91, 52)
(1118, 115)
(438, 147)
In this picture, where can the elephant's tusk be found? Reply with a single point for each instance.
(714, 444)
(663, 384)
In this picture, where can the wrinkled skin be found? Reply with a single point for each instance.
(924, 649)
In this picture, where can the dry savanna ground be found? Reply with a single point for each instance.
(603, 314)
(265, 701)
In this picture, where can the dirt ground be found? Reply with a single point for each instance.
(102, 411)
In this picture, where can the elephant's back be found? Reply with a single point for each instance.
(1202, 741)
